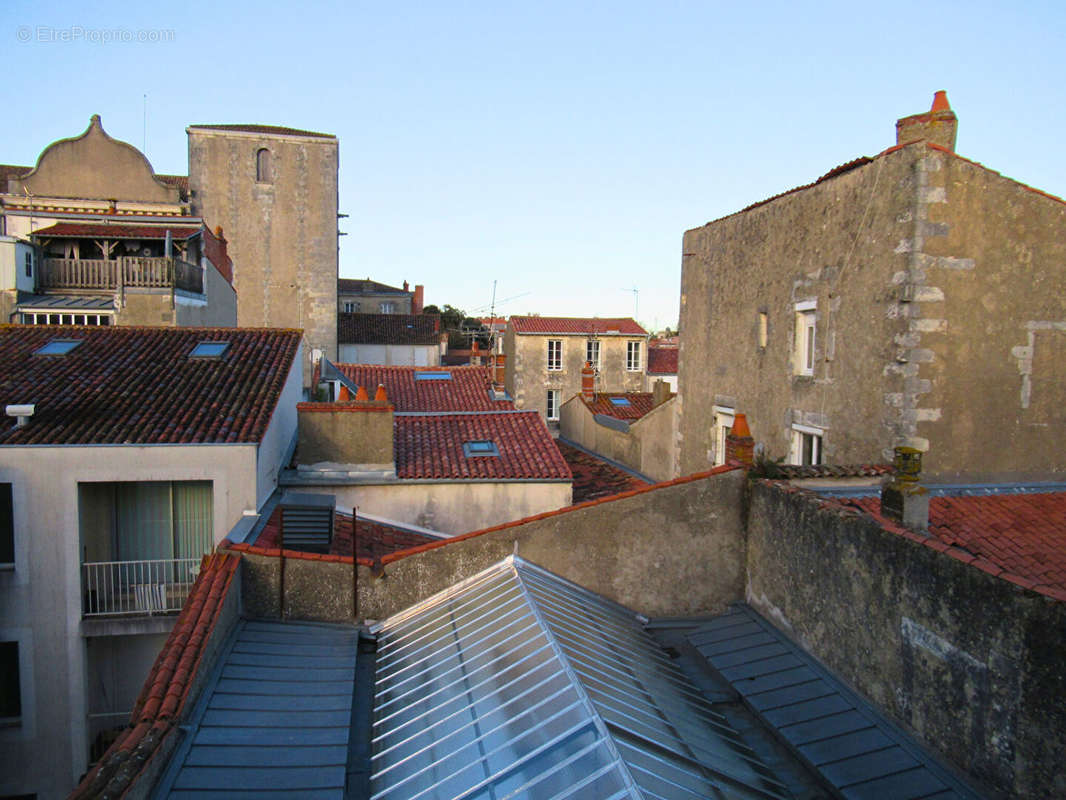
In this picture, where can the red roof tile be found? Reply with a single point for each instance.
(662, 360)
(1020, 535)
(272, 130)
(139, 386)
(162, 700)
(467, 390)
(594, 478)
(431, 447)
(372, 539)
(388, 328)
(639, 404)
(103, 230)
(624, 326)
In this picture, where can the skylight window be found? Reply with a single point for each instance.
(433, 376)
(481, 447)
(209, 350)
(57, 347)
(620, 401)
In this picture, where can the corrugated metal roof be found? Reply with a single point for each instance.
(517, 683)
(849, 744)
(66, 302)
(276, 719)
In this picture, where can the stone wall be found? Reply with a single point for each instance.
(937, 290)
(281, 232)
(647, 447)
(346, 433)
(970, 663)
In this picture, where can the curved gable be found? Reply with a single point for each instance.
(94, 166)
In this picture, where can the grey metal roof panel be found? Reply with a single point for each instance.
(66, 302)
(849, 744)
(275, 717)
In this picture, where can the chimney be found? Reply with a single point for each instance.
(660, 392)
(361, 395)
(501, 371)
(406, 285)
(475, 353)
(903, 499)
(938, 125)
(739, 445)
(588, 381)
(354, 436)
(380, 396)
(417, 300)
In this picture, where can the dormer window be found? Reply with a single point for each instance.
(480, 447)
(209, 350)
(264, 171)
(57, 347)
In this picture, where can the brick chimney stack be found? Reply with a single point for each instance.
(903, 499)
(938, 125)
(501, 372)
(588, 381)
(739, 444)
(417, 300)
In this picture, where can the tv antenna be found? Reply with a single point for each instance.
(636, 300)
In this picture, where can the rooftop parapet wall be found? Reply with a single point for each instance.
(969, 662)
(675, 548)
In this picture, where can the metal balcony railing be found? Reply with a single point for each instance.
(137, 587)
(136, 272)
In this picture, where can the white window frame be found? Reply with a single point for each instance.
(806, 337)
(553, 405)
(795, 455)
(723, 419)
(633, 357)
(555, 359)
(350, 307)
(592, 353)
(388, 307)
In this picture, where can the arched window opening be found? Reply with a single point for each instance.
(264, 172)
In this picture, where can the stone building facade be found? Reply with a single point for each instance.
(915, 298)
(274, 191)
(544, 357)
(359, 296)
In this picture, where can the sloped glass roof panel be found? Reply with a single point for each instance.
(516, 683)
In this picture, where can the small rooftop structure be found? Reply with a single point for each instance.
(426, 389)
(577, 326)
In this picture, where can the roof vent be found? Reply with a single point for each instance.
(307, 522)
(21, 412)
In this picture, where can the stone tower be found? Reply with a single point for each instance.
(274, 192)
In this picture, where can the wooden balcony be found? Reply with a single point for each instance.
(116, 275)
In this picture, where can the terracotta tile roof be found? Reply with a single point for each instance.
(1019, 537)
(662, 360)
(796, 472)
(126, 385)
(366, 286)
(467, 390)
(9, 171)
(388, 328)
(181, 182)
(103, 230)
(272, 130)
(162, 700)
(639, 404)
(594, 478)
(431, 447)
(624, 326)
(372, 539)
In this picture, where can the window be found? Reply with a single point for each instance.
(57, 347)
(7, 526)
(10, 688)
(433, 376)
(351, 308)
(806, 445)
(481, 447)
(592, 353)
(764, 329)
(264, 172)
(29, 264)
(723, 426)
(620, 401)
(209, 350)
(633, 356)
(553, 404)
(803, 357)
(32, 318)
(388, 308)
(555, 355)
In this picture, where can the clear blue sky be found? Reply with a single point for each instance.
(558, 148)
